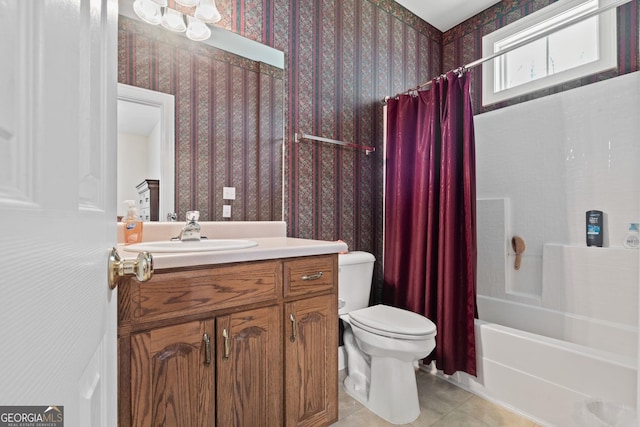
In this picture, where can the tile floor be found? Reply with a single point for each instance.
(442, 404)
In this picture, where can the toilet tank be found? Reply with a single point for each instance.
(355, 271)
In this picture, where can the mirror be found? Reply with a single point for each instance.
(228, 97)
(146, 146)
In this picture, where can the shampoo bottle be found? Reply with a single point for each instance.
(132, 225)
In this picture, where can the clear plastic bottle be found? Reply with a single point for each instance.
(132, 224)
(632, 240)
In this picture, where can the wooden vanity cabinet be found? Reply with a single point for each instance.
(230, 345)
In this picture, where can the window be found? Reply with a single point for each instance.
(584, 48)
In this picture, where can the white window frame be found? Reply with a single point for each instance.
(607, 49)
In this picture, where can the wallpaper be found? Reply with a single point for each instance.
(344, 57)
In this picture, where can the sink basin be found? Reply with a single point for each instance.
(191, 246)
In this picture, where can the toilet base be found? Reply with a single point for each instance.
(392, 393)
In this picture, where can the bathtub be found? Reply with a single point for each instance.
(549, 378)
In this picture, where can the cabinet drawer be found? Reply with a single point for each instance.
(310, 274)
(191, 292)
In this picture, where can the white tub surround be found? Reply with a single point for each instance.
(270, 237)
(545, 379)
(610, 337)
(563, 329)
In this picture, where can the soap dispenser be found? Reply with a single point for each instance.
(132, 224)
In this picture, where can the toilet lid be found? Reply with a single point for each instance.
(393, 322)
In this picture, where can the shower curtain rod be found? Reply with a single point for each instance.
(494, 55)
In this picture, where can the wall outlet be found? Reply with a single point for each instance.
(229, 193)
(226, 211)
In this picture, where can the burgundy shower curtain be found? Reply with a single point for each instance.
(430, 211)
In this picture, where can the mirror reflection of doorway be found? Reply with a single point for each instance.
(145, 145)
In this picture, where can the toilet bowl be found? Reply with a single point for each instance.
(382, 343)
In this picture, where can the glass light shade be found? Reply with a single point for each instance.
(208, 12)
(187, 3)
(148, 11)
(173, 20)
(197, 30)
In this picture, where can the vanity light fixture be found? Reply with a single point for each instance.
(197, 30)
(173, 20)
(166, 13)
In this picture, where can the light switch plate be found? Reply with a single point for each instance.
(229, 193)
(226, 211)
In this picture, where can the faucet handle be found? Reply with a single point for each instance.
(193, 216)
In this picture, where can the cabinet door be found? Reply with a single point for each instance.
(172, 376)
(249, 368)
(311, 361)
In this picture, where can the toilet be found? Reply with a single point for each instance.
(382, 343)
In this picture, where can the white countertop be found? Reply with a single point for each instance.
(267, 248)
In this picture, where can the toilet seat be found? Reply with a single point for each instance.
(393, 322)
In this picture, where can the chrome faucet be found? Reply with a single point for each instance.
(191, 231)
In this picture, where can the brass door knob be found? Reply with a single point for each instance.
(141, 267)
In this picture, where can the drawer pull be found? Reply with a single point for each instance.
(225, 335)
(312, 276)
(294, 328)
(207, 348)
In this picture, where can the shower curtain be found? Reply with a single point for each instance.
(430, 209)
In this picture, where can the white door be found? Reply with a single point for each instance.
(57, 207)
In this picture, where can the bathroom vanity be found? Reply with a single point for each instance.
(243, 338)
